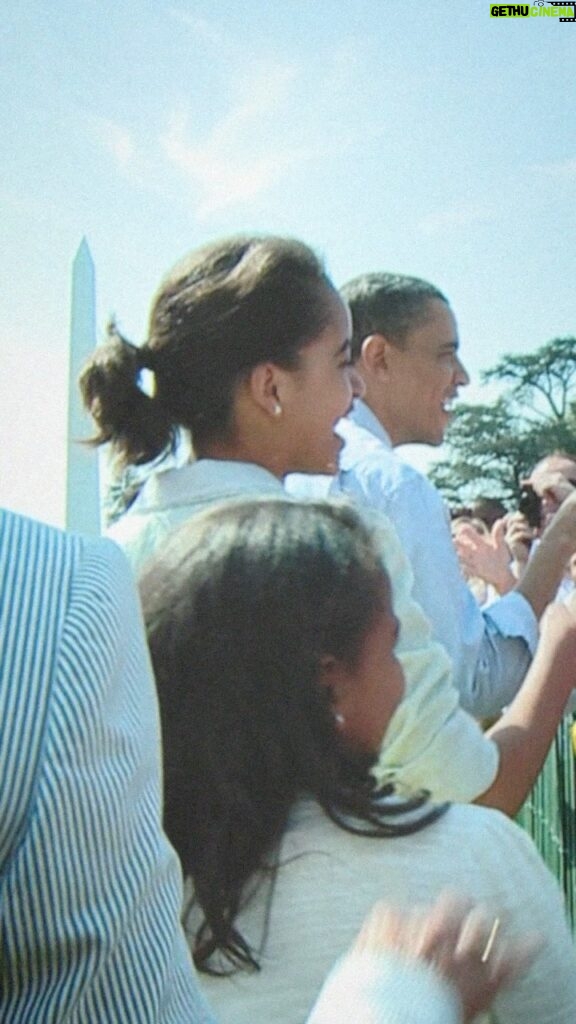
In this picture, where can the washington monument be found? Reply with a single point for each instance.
(82, 474)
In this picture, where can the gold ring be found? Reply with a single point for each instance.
(490, 942)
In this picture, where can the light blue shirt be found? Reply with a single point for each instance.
(491, 648)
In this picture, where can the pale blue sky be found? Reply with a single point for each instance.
(426, 138)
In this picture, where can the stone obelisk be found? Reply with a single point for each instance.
(82, 475)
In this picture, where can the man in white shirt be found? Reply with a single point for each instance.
(405, 346)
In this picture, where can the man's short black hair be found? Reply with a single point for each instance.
(389, 304)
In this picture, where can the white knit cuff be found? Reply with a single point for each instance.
(385, 988)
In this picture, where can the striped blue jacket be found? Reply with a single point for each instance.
(90, 889)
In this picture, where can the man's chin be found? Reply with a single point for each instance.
(432, 440)
(438, 436)
(433, 436)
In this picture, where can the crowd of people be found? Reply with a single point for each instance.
(321, 668)
(508, 540)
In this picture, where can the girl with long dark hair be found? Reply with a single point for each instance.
(273, 636)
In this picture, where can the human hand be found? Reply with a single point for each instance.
(562, 524)
(552, 484)
(461, 941)
(485, 555)
(518, 537)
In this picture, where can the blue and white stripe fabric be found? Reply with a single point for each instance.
(90, 890)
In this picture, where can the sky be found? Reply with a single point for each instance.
(422, 138)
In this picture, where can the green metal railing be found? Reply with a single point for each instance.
(549, 814)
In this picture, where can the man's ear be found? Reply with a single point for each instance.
(374, 356)
(264, 387)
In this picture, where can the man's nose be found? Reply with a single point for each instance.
(462, 377)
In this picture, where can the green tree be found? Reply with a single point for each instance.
(542, 383)
(492, 447)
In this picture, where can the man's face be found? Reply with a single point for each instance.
(423, 379)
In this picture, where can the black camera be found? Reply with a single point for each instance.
(530, 505)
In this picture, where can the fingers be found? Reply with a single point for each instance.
(498, 532)
(513, 960)
(417, 931)
(467, 944)
(554, 484)
(384, 928)
(439, 927)
(518, 537)
(517, 529)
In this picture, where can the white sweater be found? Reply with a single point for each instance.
(330, 879)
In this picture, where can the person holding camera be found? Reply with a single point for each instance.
(551, 482)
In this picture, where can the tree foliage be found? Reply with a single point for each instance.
(491, 448)
(542, 383)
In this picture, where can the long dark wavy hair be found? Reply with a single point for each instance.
(240, 606)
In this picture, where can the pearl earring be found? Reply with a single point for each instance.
(277, 409)
(339, 719)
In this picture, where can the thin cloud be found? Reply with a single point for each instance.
(207, 31)
(559, 170)
(116, 140)
(236, 162)
(215, 172)
(266, 125)
(458, 215)
(269, 122)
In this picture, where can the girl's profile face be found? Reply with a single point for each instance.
(318, 393)
(367, 694)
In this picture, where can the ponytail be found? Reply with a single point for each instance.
(135, 423)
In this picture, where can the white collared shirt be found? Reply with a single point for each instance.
(171, 496)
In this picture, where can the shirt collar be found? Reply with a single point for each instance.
(202, 481)
(361, 431)
(364, 417)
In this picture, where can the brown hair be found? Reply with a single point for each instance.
(219, 312)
